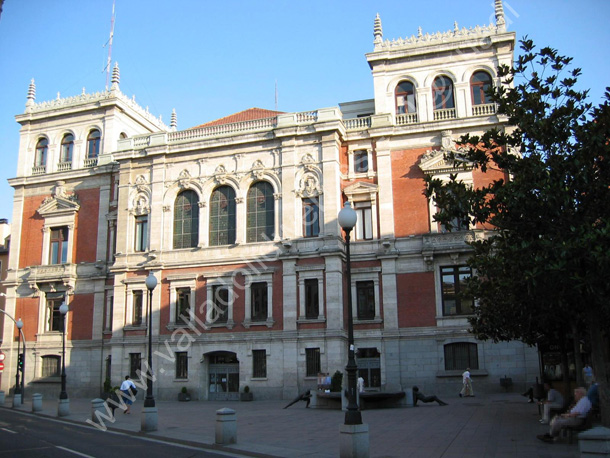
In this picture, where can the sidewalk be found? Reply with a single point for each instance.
(499, 425)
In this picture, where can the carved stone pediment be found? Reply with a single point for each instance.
(439, 160)
(360, 188)
(60, 202)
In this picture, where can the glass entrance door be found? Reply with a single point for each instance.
(223, 383)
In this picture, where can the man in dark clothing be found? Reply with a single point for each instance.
(301, 397)
(417, 396)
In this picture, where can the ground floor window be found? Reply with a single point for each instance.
(369, 367)
(312, 356)
(461, 355)
(259, 363)
(50, 366)
(182, 365)
(135, 365)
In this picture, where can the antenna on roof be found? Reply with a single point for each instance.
(109, 43)
(275, 95)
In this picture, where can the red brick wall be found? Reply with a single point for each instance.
(31, 233)
(87, 218)
(80, 317)
(26, 308)
(411, 214)
(416, 299)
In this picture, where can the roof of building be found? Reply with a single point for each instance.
(247, 115)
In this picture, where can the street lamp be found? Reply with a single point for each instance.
(63, 309)
(347, 220)
(151, 284)
(19, 325)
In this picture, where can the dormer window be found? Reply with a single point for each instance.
(67, 148)
(93, 144)
(405, 98)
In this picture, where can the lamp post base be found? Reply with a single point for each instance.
(63, 408)
(354, 441)
(150, 419)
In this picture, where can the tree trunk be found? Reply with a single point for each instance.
(580, 380)
(565, 370)
(601, 371)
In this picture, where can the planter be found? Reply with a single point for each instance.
(184, 397)
(246, 396)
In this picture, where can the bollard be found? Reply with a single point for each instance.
(97, 405)
(16, 401)
(36, 402)
(2, 398)
(226, 427)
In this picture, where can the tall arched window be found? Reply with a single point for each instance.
(186, 220)
(93, 144)
(42, 148)
(442, 93)
(405, 98)
(222, 216)
(67, 148)
(480, 83)
(260, 218)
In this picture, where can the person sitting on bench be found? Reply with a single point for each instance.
(417, 396)
(576, 416)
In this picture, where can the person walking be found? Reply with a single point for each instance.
(466, 384)
(128, 391)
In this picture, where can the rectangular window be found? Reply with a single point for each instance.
(137, 298)
(220, 307)
(141, 238)
(259, 363)
(109, 313)
(365, 299)
(461, 355)
(364, 221)
(311, 218)
(182, 365)
(135, 365)
(183, 305)
(50, 366)
(58, 254)
(453, 280)
(312, 356)
(54, 317)
(312, 304)
(258, 293)
(361, 161)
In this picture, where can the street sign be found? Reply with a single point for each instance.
(2, 356)
(1, 366)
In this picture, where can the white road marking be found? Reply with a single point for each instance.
(75, 452)
(8, 430)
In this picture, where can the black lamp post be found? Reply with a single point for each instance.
(19, 325)
(347, 220)
(63, 309)
(151, 284)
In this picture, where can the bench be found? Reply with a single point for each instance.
(587, 424)
(368, 400)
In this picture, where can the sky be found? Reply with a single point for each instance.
(209, 59)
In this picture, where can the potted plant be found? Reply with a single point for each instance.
(246, 395)
(184, 395)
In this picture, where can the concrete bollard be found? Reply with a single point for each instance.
(16, 401)
(2, 398)
(36, 402)
(226, 427)
(97, 405)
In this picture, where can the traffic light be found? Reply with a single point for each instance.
(20, 362)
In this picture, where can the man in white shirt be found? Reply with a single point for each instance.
(126, 392)
(575, 417)
(466, 384)
(554, 400)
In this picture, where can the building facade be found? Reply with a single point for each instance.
(237, 220)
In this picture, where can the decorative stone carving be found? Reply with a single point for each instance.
(59, 202)
(309, 186)
(220, 174)
(258, 170)
(447, 159)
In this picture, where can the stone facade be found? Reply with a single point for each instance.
(233, 307)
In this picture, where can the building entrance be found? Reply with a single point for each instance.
(223, 378)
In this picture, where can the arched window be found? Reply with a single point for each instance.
(41, 152)
(186, 220)
(405, 98)
(93, 144)
(480, 83)
(442, 93)
(260, 219)
(67, 148)
(222, 216)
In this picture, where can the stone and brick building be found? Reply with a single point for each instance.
(237, 220)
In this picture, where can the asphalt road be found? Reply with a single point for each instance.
(28, 436)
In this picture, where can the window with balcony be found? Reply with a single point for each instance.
(480, 84)
(311, 218)
(58, 253)
(67, 148)
(453, 281)
(93, 144)
(40, 156)
(222, 216)
(405, 98)
(186, 220)
(260, 217)
(141, 233)
(443, 98)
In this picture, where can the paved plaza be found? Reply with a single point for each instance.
(498, 425)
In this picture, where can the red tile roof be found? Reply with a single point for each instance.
(246, 115)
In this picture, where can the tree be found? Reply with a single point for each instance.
(544, 271)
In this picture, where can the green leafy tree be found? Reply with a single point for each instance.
(544, 271)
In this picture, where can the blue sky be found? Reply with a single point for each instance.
(208, 59)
